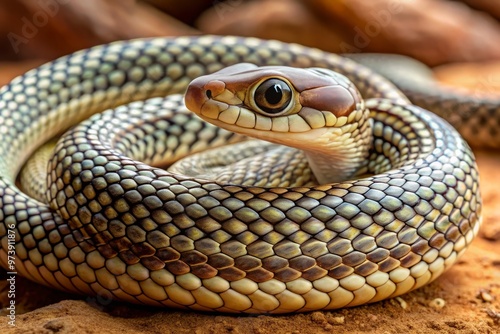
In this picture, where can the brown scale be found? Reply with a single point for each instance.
(177, 267)
(286, 249)
(464, 227)
(69, 241)
(387, 240)
(453, 234)
(378, 255)
(246, 237)
(354, 258)
(388, 264)
(102, 238)
(365, 269)
(136, 234)
(107, 251)
(44, 246)
(121, 244)
(302, 263)
(420, 247)
(247, 262)
(29, 241)
(410, 260)
(260, 249)
(152, 263)
(314, 273)
(231, 274)
(88, 231)
(54, 237)
(408, 235)
(167, 254)
(273, 237)
(339, 246)
(158, 239)
(313, 248)
(233, 248)
(181, 243)
(194, 257)
(207, 224)
(259, 275)
(143, 249)
(399, 251)
(274, 263)
(437, 241)
(204, 271)
(329, 261)
(340, 271)
(87, 246)
(206, 246)
(220, 261)
(128, 257)
(287, 275)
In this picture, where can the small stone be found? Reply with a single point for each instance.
(437, 303)
(402, 303)
(318, 317)
(494, 315)
(337, 320)
(485, 296)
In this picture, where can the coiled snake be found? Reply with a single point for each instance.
(141, 234)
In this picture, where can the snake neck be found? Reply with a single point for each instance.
(340, 154)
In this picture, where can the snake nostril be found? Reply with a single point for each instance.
(209, 93)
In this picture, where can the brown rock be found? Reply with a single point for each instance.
(48, 29)
(487, 6)
(185, 11)
(285, 20)
(434, 32)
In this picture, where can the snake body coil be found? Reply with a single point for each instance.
(144, 235)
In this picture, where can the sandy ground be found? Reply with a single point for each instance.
(465, 299)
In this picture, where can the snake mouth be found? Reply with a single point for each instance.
(208, 99)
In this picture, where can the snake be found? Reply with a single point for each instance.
(348, 195)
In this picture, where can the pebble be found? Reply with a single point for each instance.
(437, 303)
(337, 320)
(402, 303)
(318, 317)
(485, 296)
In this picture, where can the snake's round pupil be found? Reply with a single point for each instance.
(273, 96)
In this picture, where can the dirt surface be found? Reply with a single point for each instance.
(465, 299)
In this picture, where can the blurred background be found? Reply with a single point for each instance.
(460, 39)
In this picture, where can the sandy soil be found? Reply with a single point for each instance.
(466, 299)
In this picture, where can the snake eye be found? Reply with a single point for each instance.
(273, 96)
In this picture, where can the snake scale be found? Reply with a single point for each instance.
(121, 228)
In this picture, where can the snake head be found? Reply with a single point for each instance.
(271, 101)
